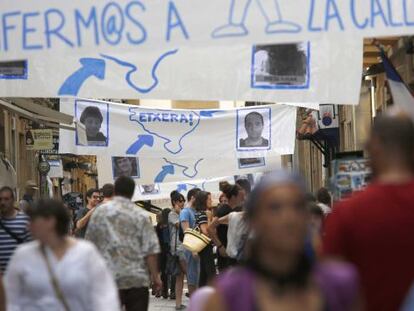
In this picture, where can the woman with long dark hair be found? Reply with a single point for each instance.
(207, 268)
(277, 274)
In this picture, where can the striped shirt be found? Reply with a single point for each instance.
(8, 244)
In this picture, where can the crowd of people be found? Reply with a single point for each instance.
(272, 245)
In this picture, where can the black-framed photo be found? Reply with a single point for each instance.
(125, 166)
(149, 189)
(93, 123)
(254, 129)
(281, 66)
(251, 162)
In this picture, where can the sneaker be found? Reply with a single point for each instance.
(172, 296)
(182, 307)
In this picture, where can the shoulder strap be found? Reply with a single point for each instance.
(11, 233)
(55, 283)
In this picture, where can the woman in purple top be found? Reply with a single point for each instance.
(277, 274)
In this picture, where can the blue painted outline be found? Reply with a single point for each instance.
(238, 148)
(25, 75)
(134, 69)
(306, 86)
(138, 167)
(107, 123)
(133, 113)
(185, 168)
(252, 165)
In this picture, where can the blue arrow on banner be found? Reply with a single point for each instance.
(143, 140)
(166, 170)
(90, 67)
(208, 113)
(182, 187)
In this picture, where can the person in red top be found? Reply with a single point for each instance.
(374, 229)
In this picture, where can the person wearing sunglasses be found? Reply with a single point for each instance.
(93, 198)
(277, 274)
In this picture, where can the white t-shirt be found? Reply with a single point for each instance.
(325, 208)
(236, 229)
(83, 277)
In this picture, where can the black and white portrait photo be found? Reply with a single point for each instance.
(125, 166)
(281, 66)
(251, 162)
(254, 129)
(149, 189)
(93, 118)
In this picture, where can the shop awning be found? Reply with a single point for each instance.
(30, 110)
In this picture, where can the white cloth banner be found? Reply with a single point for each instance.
(307, 73)
(162, 191)
(147, 171)
(30, 27)
(155, 146)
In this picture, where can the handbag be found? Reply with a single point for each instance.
(55, 283)
(195, 241)
(173, 261)
(11, 233)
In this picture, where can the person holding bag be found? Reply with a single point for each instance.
(57, 272)
(207, 267)
(176, 265)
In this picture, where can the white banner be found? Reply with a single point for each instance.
(106, 128)
(30, 27)
(150, 171)
(307, 73)
(155, 145)
(158, 192)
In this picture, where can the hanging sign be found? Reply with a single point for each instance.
(155, 171)
(155, 146)
(31, 27)
(39, 139)
(304, 72)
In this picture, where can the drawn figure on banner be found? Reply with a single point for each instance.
(281, 66)
(256, 126)
(169, 125)
(275, 23)
(189, 171)
(149, 189)
(94, 118)
(133, 71)
(125, 166)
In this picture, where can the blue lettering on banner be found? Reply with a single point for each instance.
(7, 27)
(390, 16)
(117, 23)
(377, 10)
(332, 12)
(355, 19)
(112, 23)
(26, 30)
(55, 31)
(148, 117)
(406, 21)
(311, 27)
(92, 19)
(136, 23)
(174, 14)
